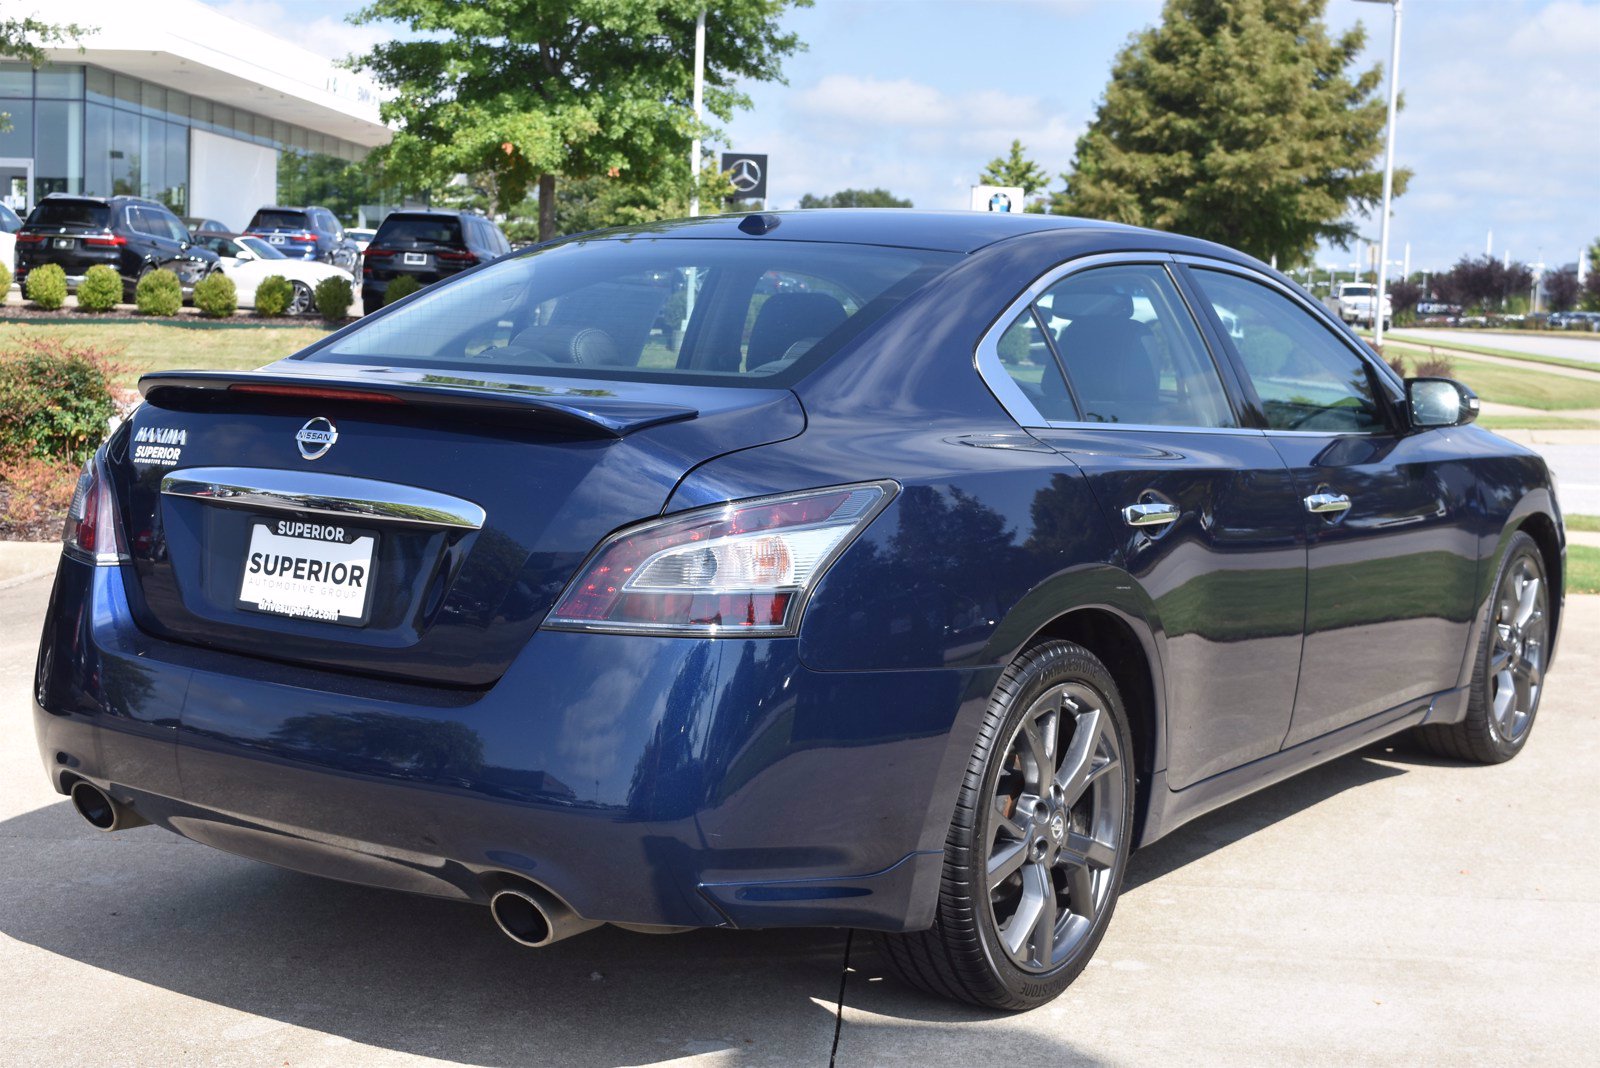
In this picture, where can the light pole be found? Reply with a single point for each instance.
(1388, 171)
(699, 91)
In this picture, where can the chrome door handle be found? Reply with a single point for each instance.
(1154, 514)
(1327, 503)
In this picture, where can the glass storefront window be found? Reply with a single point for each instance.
(97, 150)
(16, 79)
(124, 153)
(57, 147)
(98, 86)
(17, 142)
(126, 90)
(152, 98)
(176, 193)
(60, 83)
(152, 157)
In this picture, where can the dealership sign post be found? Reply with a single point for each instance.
(748, 172)
(1007, 198)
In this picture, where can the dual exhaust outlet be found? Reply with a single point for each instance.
(527, 914)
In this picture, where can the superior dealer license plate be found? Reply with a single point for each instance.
(319, 571)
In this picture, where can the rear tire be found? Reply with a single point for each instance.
(1508, 672)
(1035, 854)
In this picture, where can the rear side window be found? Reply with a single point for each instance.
(1305, 378)
(1027, 356)
(85, 213)
(401, 231)
(1131, 351)
(279, 220)
(704, 311)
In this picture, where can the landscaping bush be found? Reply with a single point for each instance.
(5, 279)
(333, 298)
(1434, 366)
(37, 495)
(403, 286)
(100, 290)
(216, 296)
(55, 400)
(273, 295)
(1397, 364)
(47, 286)
(158, 293)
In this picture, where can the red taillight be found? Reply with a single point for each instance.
(105, 240)
(30, 239)
(315, 393)
(731, 569)
(378, 253)
(458, 257)
(91, 532)
(304, 239)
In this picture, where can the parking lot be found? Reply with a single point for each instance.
(1387, 908)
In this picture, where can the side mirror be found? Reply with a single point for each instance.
(1432, 402)
(244, 254)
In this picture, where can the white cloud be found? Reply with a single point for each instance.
(309, 25)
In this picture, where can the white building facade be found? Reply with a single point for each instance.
(179, 103)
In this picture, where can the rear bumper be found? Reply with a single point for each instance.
(673, 782)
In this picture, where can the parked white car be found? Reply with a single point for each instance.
(10, 223)
(1354, 302)
(249, 261)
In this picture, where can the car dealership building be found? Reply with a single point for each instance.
(178, 103)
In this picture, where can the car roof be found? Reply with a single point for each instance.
(946, 231)
(433, 213)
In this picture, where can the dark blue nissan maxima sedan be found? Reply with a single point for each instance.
(888, 570)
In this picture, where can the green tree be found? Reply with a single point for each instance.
(28, 38)
(855, 198)
(339, 185)
(516, 92)
(1240, 121)
(1015, 169)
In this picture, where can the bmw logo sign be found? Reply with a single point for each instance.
(316, 437)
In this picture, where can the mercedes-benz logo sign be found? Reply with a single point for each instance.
(316, 437)
(746, 175)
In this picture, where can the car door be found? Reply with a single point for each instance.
(164, 244)
(1387, 512)
(1205, 507)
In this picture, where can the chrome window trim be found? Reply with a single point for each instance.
(986, 356)
(318, 493)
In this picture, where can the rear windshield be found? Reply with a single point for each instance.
(86, 213)
(278, 220)
(1356, 291)
(748, 312)
(403, 230)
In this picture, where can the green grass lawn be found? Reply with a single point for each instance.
(1536, 422)
(1525, 388)
(1525, 357)
(1590, 523)
(145, 347)
(1583, 569)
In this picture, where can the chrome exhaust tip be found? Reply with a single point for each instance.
(535, 918)
(97, 807)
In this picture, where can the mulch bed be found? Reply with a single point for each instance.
(43, 528)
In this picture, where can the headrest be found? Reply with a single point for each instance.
(570, 344)
(1079, 304)
(786, 318)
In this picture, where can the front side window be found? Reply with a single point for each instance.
(1305, 378)
(1131, 350)
(703, 311)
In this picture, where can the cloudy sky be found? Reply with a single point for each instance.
(1502, 124)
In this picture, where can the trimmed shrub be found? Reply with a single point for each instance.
(158, 293)
(216, 296)
(333, 298)
(1397, 364)
(1434, 365)
(47, 286)
(5, 279)
(403, 286)
(37, 493)
(55, 400)
(273, 295)
(100, 290)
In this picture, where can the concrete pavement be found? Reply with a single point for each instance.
(1567, 347)
(1387, 908)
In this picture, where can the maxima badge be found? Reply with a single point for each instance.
(316, 437)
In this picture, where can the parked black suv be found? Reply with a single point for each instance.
(132, 234)
(306, 234)
(428, 246)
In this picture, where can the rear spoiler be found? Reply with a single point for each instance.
(536, 407)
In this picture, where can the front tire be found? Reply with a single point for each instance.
(1508, 673)
(1036, 852)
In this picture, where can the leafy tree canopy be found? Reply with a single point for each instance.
(27, 38)
(515, 92)
(1562, 287)
(1015, 169)
(1239, 121)
(855, 198)
(1485, 283)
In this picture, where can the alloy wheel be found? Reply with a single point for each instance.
(1520, 641)
(1055, 827)
(300, 302)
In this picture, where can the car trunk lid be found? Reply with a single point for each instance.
(480, 497)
